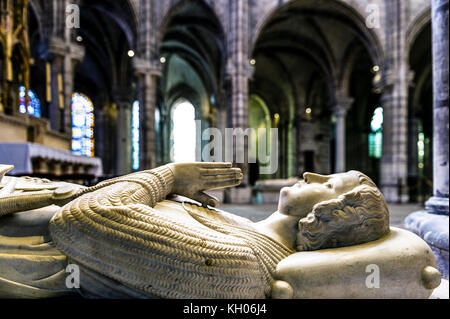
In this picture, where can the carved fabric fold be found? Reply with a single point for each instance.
(139, 251)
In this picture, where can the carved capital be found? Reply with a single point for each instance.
(342, 105)
(143, 67)
(250, 71)
(391, 78)
(59, 48)
(121, 97)
(244, 69)
(76, 52)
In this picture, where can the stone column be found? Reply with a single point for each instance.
(432, 224)
(221, 104)
(238, 69)
(396, 79)
(75, 56)
(291, 150)
(300, 166)
(238, 64)
(439, 202)
(55, 107)
(101, 123)
(63, 56)
(413, 172)
(148, 70)
(394, 161)
(123, 125)
(148, 75)
(300, 120)
(343, 104)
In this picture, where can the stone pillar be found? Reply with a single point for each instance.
(148, 75)
(432, 224)
(291, 150)
(238, 64)
(123, 125)
(343, 104)
(75, 56)
(413, 172)
(221, 104)
(62, 54)
(440, 106)
(394, 161)
(123, 139)
(13, 13)
(300, 120)
(239, 72)
(396, 79)
(55, 107)
(63, 57)
(283, 150)
(299, 167)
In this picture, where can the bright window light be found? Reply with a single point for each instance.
(82, 125)
(184, 132)
(30, 105)
(135, 134)
(376, 136)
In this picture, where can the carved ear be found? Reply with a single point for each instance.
(4, 169)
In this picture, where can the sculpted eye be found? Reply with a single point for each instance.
(328, 185)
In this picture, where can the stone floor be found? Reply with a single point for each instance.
(398, 214)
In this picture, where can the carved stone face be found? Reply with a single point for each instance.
(298, 200)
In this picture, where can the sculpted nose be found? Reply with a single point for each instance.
(315, 178)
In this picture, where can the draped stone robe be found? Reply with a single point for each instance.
(130, 242)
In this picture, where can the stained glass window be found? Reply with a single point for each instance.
(30, 105)
(421, 150)
(135, 134)
(82, 125)
(184, 132)
(159, 155)
(376, 135)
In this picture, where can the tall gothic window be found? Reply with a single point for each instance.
(135, 134)
(82, 125)
(184, 132)
(421, 150)
(376, 134)
(29, 105)
(158, 130)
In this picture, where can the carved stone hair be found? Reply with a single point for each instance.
(356, 217)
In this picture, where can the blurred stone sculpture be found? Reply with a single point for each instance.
(129, 240)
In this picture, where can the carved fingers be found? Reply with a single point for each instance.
(215, 178)
(218, 165)
(191, 179)
(205, 199)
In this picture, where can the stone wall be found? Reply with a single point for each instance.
(25, 128)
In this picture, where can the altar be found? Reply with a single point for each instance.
(30, 159)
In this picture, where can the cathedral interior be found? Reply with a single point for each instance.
(92, 89)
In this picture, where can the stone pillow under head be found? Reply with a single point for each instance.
(403, 262)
